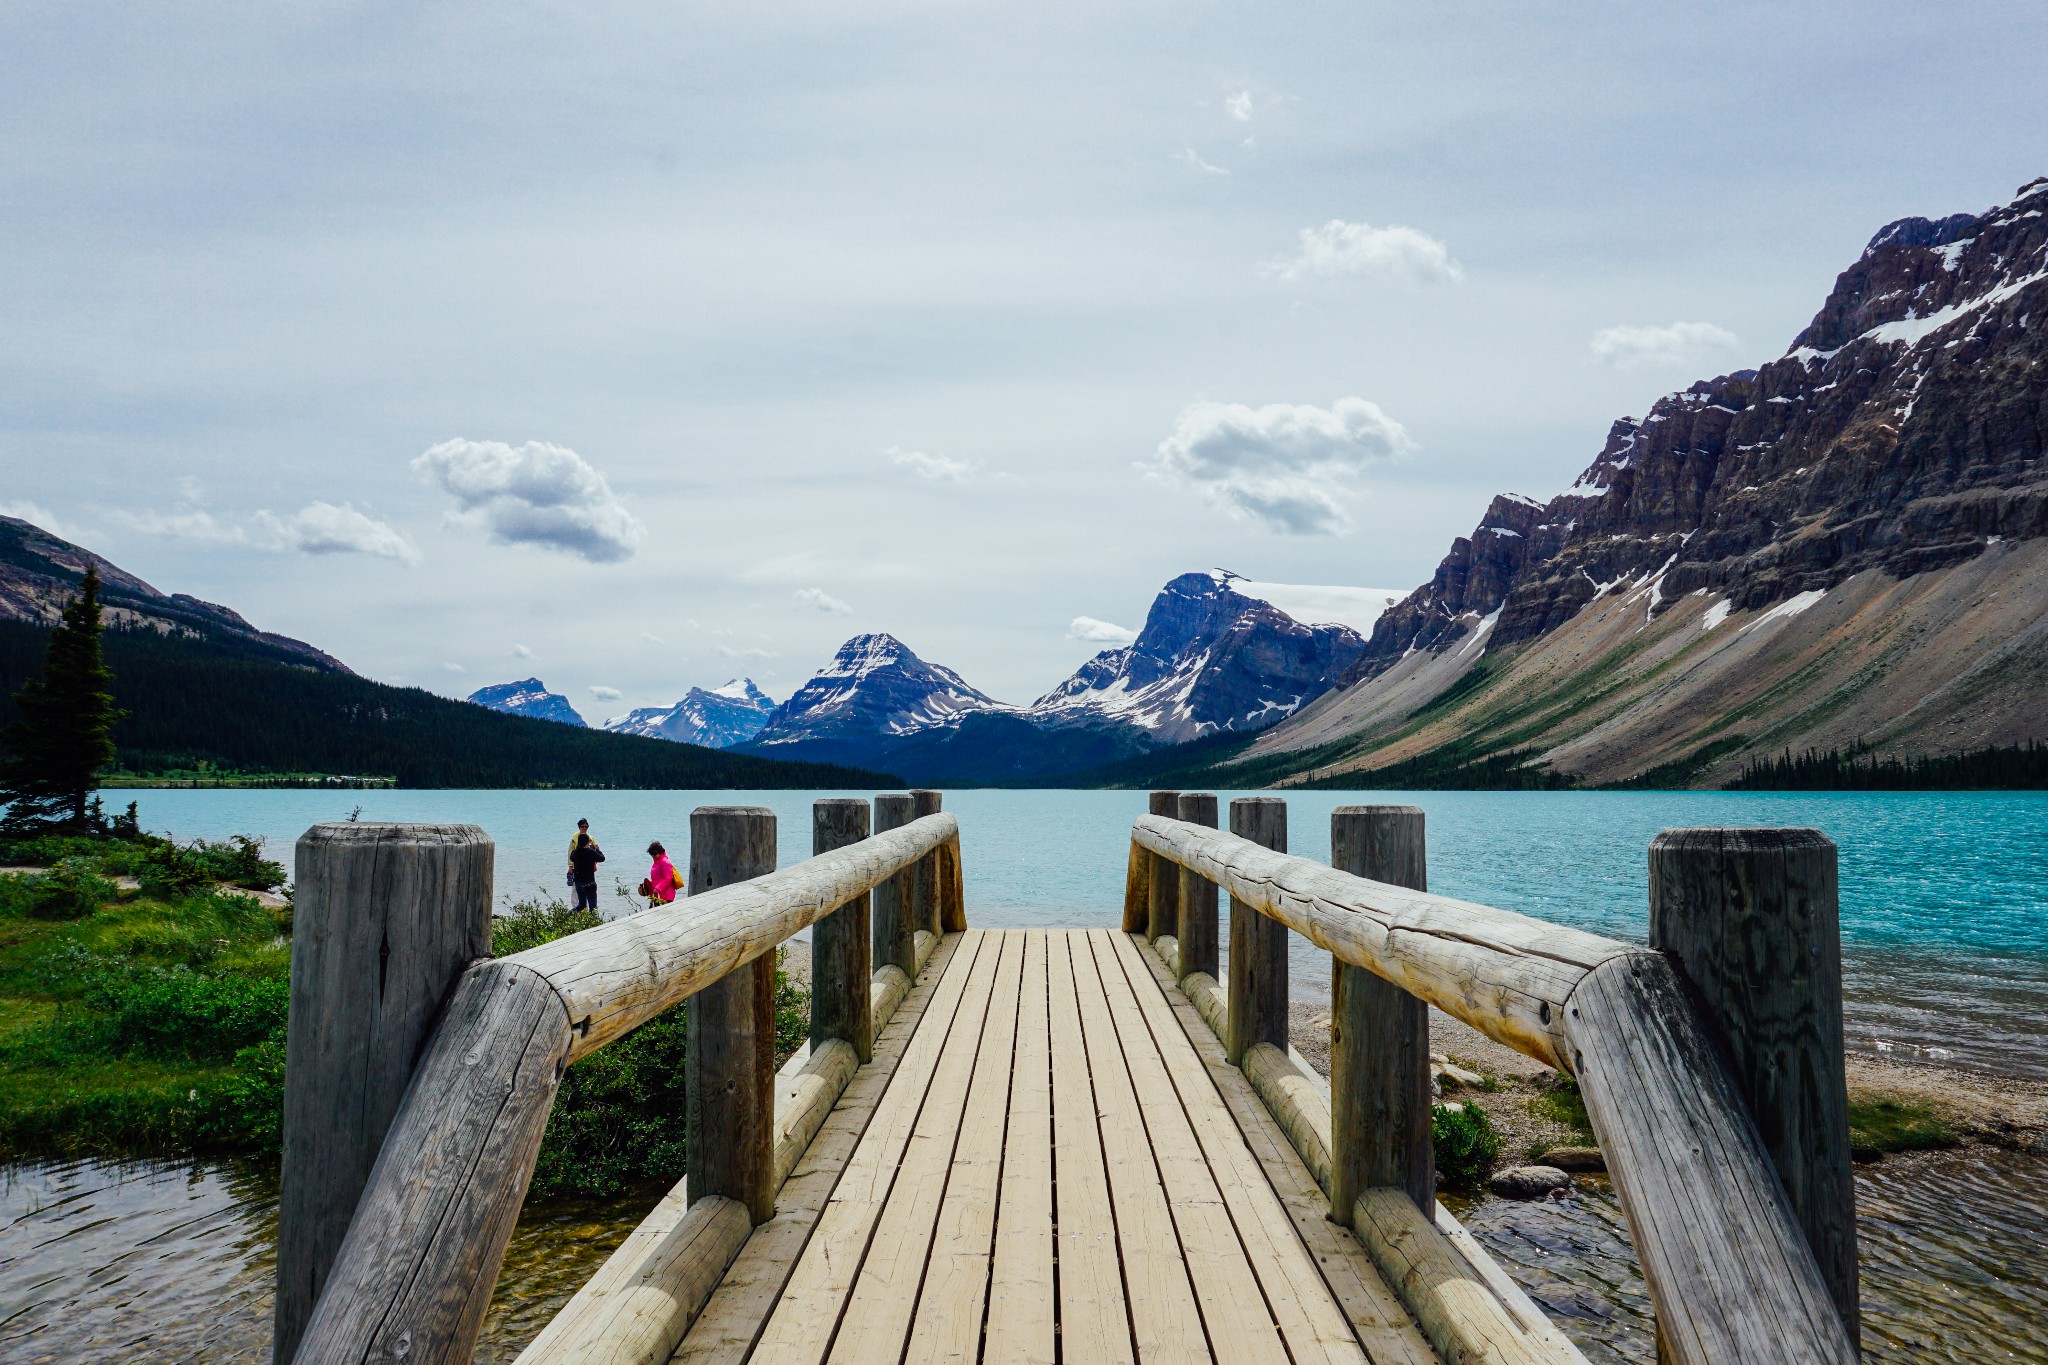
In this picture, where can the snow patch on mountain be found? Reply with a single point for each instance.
(528, 697)
(875, 686)
(716, 719)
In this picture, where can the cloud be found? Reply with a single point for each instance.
(1099, 632)
(927, 466)
(535, 494)
(823, 601)
(605, 693)
(1239, 106)
(1187, 156)
(651, 638)
(521, 652)
(193, 524)
(729, 652)
(321, 528)
(40, 516)
(453, 668)
(1278, 465)
(1678, 343)
(1341, 248)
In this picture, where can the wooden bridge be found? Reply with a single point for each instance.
(1070, 1145)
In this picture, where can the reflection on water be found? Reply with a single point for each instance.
(154, 1261)
(1950, 1248)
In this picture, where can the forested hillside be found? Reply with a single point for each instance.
(192, 700)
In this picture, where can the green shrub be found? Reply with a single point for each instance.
(239, 862)
(1466, 1145)
(169, 870)
(1562, 1103)
(1878, 1126)
(70, 890)
(184, 1014)
(533, 923)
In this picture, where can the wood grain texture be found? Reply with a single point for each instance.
(1022, 1294)
(1727, 1264)
(1458, 1311)
(1162, 905)
(415, 1272)
(894, 911)
(615, 977)
(731, 1044)
(924, 888)
(842, 957)
(1197, 928)
(1137, 891)
(952, 888)
(1507, 975)
(1751, 919)
(386, 918)
(1257, 1007)
(1380, 1097)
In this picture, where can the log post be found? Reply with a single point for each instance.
(842, 1001)
(1197, 928)
(924, 896)
(895, 927)
(1257, 1011)
(1162, 895)
(731, 1049)
(386, 918)
(1380, 1120)
(1750, 918)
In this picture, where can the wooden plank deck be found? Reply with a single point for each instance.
(1057, 1169)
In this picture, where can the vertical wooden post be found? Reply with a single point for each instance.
(925, 890)
(386, 918)
(1751, 918)
(731, 1050)
(842, 1005)
(1380, 1121)
(1162, 894)
(1197, 929)
(1257, 1011)
(895, 929)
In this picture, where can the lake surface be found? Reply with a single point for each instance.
(1944, 894)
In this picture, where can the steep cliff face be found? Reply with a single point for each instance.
(528, 697)
(716, 719)
(1901, 434)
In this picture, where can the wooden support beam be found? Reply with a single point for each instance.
(952, 889)
(1197, 898)
(924, 890)
(1751, 919)
(842, 993)
(895, 915)
(1257, 1011)
(1380, 1109)
(1162, 892)
(386, 918)
(731, 1049)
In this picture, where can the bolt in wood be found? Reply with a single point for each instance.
(731, 1052)
(385, 918)
(1751, 919)
(1380, 1120)
(1257, 1010)
(842, 1003)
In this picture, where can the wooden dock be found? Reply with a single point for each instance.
(1064, 1146)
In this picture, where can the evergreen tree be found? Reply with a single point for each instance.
(63, 733)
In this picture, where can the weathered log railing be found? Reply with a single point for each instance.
(1737, 1269)
(414, 1273)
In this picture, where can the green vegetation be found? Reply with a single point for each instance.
(1878, 1126)
(61, 732)
(1466, 1145)
(2014, 767)
(1680, 772)
(201, 701)
(1562, 1103)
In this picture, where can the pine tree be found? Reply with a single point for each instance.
(63, 733)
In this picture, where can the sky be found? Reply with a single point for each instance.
(635, 347)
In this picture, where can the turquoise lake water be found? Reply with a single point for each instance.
(1944, 894)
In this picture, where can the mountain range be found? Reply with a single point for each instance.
(1844, 550)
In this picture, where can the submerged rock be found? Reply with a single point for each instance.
(1528, 1182)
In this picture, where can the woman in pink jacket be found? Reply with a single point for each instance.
(662, 882)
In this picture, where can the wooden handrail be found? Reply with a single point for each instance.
(415, 1272)
(1729, 1270)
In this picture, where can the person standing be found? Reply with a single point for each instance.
(583, 860)
(662, 882)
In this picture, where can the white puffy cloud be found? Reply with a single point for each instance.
(534, 494)
(40, 516)
(605, 693)
(1341, 248)
(1280, 465)
(729, 652)
(1239, 106)
(929, 466)
(1676, 343)
(820, 600)
(1188, 157)
(193, 523)
(453, 668)
(651, 638)
(321, 528)
(1099, 632)
(521, 652)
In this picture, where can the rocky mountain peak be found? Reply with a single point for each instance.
(874, 685)
(717, 718)
(527, 697)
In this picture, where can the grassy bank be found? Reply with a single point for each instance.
(143, 996)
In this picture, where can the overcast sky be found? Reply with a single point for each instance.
(639, 346)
